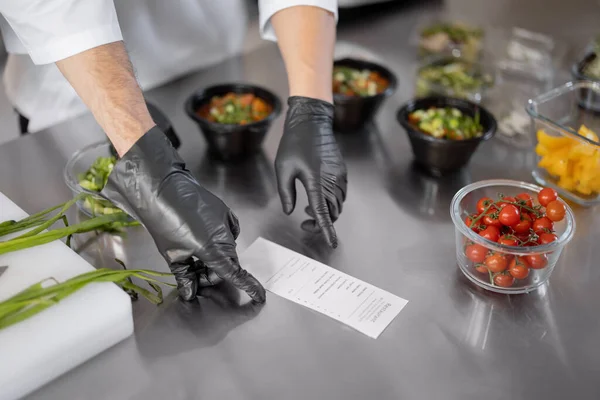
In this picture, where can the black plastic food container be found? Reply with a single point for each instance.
(443, 156)
(230, 142)
(353, 112)
(588, 99)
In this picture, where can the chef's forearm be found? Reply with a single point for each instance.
(104, 79)
(306, 38)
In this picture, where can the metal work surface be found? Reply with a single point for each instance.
(452, 341)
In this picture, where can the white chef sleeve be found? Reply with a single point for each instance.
(51, 30)
(267, 8)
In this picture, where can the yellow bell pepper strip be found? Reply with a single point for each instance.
(575, 164)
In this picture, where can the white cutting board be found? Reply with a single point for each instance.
(63, 336)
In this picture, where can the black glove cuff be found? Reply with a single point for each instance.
(141, 170)
(300, 105)
(154, 153)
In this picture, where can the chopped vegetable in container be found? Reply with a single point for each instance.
(457, 79)
(575, 164)
(235, 109)
(447, 36)
(94, 179)
(446, 123)
(353, 82)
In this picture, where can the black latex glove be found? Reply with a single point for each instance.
(185, 220)
(308, 151)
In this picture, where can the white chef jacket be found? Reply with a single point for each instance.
(164, 38)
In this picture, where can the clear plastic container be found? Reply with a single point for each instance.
(443, 66)
(79, 163)
(464, 203)
(566, 160)
(525, 63)
(432, 36)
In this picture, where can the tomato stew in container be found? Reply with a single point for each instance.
(234, 118)
(509, 234)
(359, 89)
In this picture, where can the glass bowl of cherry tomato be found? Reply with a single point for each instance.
(509, 234)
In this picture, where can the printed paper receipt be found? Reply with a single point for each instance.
(315, 285)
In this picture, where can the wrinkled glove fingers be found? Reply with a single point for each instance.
(342, 187)
(206, 276)
(286, 185)
(234, 225)
(333, 212)
(229, 269)
(310, 225)
(186, 276)
(320, 209)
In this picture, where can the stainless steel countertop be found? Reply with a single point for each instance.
(452, 341)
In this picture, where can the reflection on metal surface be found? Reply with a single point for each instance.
(193, 325)
(248, 183)
(409, 184)
(101, 247)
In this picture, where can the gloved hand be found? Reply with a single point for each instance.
(308, 151)
(151, 184)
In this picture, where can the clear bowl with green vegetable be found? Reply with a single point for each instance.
(87, 172)
(450, 37)
(454, 77)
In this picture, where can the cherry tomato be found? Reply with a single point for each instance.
(491, 233)
(505, 201)
(543, 224)
(546, 195)
(555, 211)
(491, 219)
(481, 268)
(508, 240)
(496, 262)
(504, 280)
(518, 269)
(545, 238)
(537, 261)
(476, 253)
(469, 221)
(524, 197)
(483, 203)
(509, 215)
(523, 225)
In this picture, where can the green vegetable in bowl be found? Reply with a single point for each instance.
(446, 123)
(457, 32)
(445, 37)
(94, 179)
(457, 79)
